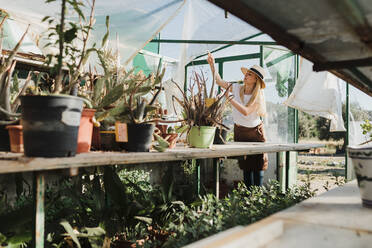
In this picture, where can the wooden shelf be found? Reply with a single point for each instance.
(11, 162)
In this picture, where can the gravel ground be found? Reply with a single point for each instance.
(323, 172)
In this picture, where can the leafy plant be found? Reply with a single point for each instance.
(121, 95)
(196, 112)
(367, 130)
(64, 35)
(242, 207)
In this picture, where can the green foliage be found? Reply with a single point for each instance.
(367, 128)
(307, 126)
(121, 95)
(65, 35)
(122, 204)
(242, 207)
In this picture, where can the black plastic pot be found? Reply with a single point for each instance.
(139, 137)
(50, 125)
(108, 141)
(4, 139)
(217, 137)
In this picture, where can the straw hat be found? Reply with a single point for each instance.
(258, 70)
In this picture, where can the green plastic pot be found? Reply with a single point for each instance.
(201, 137)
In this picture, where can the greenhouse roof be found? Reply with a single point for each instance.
(334, 35)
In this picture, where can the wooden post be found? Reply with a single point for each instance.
(39, 219)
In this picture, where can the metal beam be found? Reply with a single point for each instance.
(229, 42)
(279, 59)
(226, 59)
(348, 78)
(363, 78)
(344, 64)
(223, 47)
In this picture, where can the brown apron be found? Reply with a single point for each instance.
(251, 134)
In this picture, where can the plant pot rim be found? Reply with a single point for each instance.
(88, 112)
(53, 96)
(19, 127)
(359, 147)
(142, 124)
(203, 126)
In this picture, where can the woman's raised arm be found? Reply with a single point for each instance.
(217, 76)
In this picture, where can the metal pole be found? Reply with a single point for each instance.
(220, 71)
(216, 172)
(347, 130)
(185, 82)
(223, 47)
(296, 111)
(228, 42)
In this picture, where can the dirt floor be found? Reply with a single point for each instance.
(323, 172)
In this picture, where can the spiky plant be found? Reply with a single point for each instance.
(195, 110)
(121, 95)
(9, 106)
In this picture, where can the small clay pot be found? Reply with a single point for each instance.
(85, 131)
(16, 138)
(171, 138)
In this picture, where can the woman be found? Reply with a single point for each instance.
(248, 109)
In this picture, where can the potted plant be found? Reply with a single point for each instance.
(51, 122)
(9, 98)
(201, 117)
(140, 110)
(361, 158)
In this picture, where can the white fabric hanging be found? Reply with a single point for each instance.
(318, 93)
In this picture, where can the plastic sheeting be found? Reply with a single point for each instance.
(205, 21)
(318, 93)
(279, 63)
(135, 22)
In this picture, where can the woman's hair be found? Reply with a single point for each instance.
(257, 97)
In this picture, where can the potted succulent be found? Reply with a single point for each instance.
(201, 118)
(140, 110)
(51, 122)
(9, 98)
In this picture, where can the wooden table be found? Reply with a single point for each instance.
(12, 162)
(333, 219)
(15, 163)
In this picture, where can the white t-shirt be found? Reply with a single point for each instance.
(252, 120)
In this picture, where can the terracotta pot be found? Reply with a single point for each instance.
(171, 138)
(16, 138)
(162, 128)
(85, 131)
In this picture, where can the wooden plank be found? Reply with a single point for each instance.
(11, 163)
(344, 64)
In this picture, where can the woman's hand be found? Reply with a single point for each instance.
(210, 61)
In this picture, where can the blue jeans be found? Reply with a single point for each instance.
(253, 177)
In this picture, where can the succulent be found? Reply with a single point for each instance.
(10, 92)
(121, 95)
